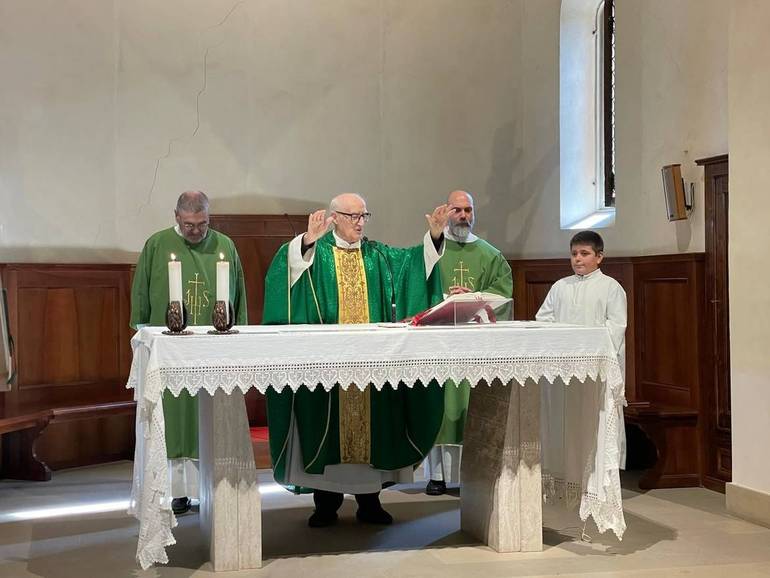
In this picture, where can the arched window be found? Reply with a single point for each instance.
(587, 113)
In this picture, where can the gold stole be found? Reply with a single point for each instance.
(355, 405)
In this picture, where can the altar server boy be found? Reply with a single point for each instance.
(591, 298)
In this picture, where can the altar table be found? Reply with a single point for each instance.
(506, 472)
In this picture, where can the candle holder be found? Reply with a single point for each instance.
(176, 319)
(222, 322)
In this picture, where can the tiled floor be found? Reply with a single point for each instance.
(670, 533)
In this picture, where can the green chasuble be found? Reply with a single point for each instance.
(480, 267)
(149, 300)
(399, 424)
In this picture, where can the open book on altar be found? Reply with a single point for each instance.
(463, 308)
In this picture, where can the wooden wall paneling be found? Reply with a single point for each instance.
(70, 327)
(531, 281)
(72, 335)
(258, 238)
(668, 304)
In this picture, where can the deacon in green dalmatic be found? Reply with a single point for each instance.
(351, 441)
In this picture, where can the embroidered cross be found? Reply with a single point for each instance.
(195, 300)
(464, 281)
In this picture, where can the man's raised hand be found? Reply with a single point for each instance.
(438, 220)
(317, 225)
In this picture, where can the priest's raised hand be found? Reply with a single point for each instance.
(317, 226)
(437, 220)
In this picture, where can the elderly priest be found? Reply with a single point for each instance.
(347, 440)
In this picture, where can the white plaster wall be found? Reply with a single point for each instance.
(749, 95)
(672, 108)
(112, 109)
(107, 116)
(56, 138)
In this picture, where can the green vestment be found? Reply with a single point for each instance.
(480, 267)
(404, 420)
(149, 301)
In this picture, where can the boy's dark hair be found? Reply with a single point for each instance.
(588, 238)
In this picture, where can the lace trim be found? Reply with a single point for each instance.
(153, 505)
(150, 500)
(603, 499)
(599, 493)
(558, 491)
(228, 375)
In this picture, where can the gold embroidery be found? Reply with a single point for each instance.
(196, 300)
(463, 280)
(351, 286)
(355, 425)
(354, 405)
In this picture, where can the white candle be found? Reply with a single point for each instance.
(223, 279)
(174, 279)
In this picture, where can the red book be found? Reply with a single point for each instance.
(462, 308)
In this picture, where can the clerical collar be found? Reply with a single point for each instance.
(343, 244)
(469, 239)
(595, 273)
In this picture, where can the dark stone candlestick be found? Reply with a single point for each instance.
(220, 319)
(176, 319)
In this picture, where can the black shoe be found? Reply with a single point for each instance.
(321, 519)
(326, 506)
(181, 505)
(370, 510)
(435, 488)
(374, 516)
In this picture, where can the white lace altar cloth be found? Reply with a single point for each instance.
(296, 355)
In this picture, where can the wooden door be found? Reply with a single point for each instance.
(715, 401)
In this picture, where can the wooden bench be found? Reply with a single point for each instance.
(674, 432)
(20, 428)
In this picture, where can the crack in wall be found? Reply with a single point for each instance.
(200, 93)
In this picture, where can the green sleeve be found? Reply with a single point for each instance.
(413, 292)
(502, 279)
(140, 289)
(276, 307)
(303, 301)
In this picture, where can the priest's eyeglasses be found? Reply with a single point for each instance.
(190, 227)
(355, 217)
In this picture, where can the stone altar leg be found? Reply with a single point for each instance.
(501, 494)
(230, 505)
